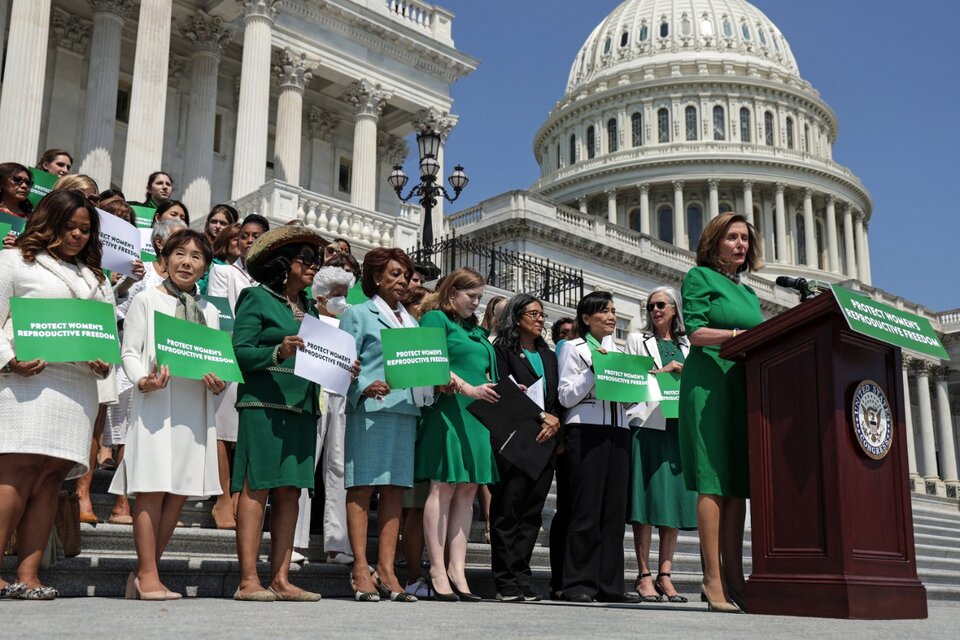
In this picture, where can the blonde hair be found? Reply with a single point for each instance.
(462, 278)
(76, 181)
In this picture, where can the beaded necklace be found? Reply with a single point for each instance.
(733, 277)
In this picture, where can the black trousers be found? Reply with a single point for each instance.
(516, 508)
(560, 523)
(598, 459)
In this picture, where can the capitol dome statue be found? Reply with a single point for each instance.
(678, 110)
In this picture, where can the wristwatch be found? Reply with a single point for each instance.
(542, 417)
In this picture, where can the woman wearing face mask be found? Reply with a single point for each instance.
(48, 409)
(229, 281)
(329, 289)
(453, 447)
(171, 441)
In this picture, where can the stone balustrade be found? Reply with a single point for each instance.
(280, 202)
(434, 20)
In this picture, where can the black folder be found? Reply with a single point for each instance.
(514, 428)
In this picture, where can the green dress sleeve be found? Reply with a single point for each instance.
(247, 329)
(695, 293)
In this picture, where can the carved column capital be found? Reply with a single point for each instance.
(919, 367)
(677, 185)
(644, 187)
(713, 184)
(322, 124)
(121, 8)
(440, 122)
(69, 32)
(293, 68)
(748, 185)
(940, 373)
(367, 98)
(807, 193)
(780, 188)
(260, 8)
(830, 199)
(393, 148)
(206, 32)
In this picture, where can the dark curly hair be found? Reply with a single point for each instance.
(276, 267)
(48, 224)
(508, 323)
(7, 169)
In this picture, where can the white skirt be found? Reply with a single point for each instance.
(51, 414)
(118, 415)
(228, 420)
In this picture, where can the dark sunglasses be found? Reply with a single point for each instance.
(658, 305)
(308, 259)
(18, 180)
(331, 250)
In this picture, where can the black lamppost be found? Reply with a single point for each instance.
(428, 189)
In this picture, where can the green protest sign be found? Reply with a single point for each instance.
(670, 394)
(147, 252)
(17, 225)
(226, 314)
(887, 324)
(192, 350)
(42, 185)
(4, 230)
(621, 377)
(415, 357)
(142, 216)
(64, 330)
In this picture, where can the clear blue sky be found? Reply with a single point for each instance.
(887, 68)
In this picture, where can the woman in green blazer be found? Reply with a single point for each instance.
(278, 411)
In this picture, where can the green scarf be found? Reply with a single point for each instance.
(187, 307)
(592, 343)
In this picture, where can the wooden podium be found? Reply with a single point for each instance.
(832, 529)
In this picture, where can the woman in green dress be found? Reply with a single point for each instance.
(717, 306)
(658, 496)
(453, 448)
(278, 411)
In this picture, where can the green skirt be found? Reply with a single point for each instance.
(658, 494)
(274, 449)
(452, 445)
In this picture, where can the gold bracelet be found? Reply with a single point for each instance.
(733, 333)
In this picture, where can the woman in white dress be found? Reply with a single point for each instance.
(171, 449)
(48, 409)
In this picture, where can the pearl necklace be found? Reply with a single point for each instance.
(733, 277)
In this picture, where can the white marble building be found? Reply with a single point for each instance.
(294, 108)
(675, 111)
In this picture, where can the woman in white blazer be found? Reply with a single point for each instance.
(658, 496)
(597, 463)
(48, 409)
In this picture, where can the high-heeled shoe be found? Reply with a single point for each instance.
(718, 607)
(437, 596)
(395, 596)
(363, 596)
(130, 590)
(465, 596)
(675, 598)
(646, 598)
(149, 595)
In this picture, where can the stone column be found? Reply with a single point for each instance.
(441, 123)
(928, 461)
(209, 36)
(611, 205)
(780, 212)
(848, 241)
(714, 185)
(250, 159)
(368, 100)
(810, 230)
(748, 200)
(582, 203)
(322, 126)
(295, 72)
(103, 77)
(868, 273)
(644, 208)
(833, 250)
(21, 104)
(144, 152)
(679, 228)
(948, 450)
(858, 239)
(916, 481)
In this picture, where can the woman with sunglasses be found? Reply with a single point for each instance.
(658, 496)
(15, 183)
(278, 410)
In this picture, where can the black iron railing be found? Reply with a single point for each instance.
(504, 268)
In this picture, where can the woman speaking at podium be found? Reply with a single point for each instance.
(717, 306)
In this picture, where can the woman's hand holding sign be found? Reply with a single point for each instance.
(99, 367)
(157, 379)
(376, 390)
(288, 348)
(672, 367)
(214, 384)
(28, 368)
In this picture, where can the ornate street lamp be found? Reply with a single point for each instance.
(428, 190)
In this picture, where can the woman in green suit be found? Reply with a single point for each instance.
(278, 411)
(713, 399)
(453, 448)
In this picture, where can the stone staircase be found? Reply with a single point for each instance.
(201, 560)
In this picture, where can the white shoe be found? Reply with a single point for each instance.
(297, 558)
(340, 558)
(420, 588)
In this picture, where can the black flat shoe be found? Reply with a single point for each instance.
(623, 598)
(580, 598)
(445, 597)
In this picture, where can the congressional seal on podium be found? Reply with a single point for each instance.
(872, 422)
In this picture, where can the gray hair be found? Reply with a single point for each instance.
(677, 327)
(329, 277)
(164, 229)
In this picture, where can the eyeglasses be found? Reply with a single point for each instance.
(308, 259)
(18, 180)
(535, 315)
(658, 305)
(331, 250)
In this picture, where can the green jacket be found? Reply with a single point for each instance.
(262, 321)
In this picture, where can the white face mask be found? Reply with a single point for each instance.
(337, 305)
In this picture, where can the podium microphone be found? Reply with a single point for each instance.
(797, 284)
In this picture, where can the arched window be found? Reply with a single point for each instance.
(790, 141)
(763, 36)
(745, 30)
(636, 129)
(664, 29)
(725, 207)
(806, 138)
(612, 135)
(559, 156)
(634, 219)
(719, 123)
(694, 224)
(624, 39)
(607, 45)
(591, 142)
(706, 27)
(745, 124)
(690, 114)
(768, 128)
(573, 148)
(686, 27)
(644, 32)
(663, 125)
(727, 27)
(665, 223)
(801, 241)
